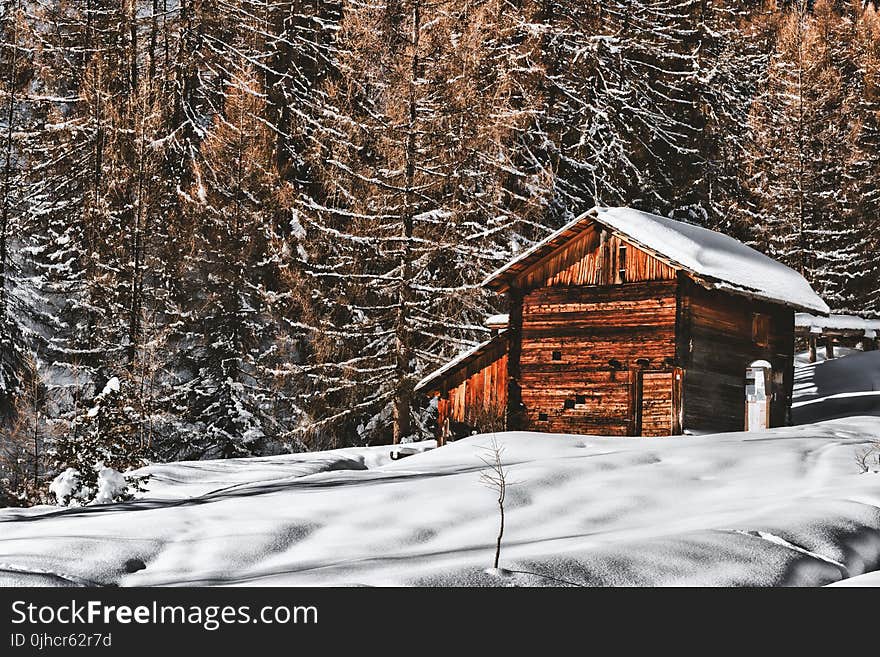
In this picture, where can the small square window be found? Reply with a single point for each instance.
(580, 399)
(543, 417)
(568, 403)
(557, 355)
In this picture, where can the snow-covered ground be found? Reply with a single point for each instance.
(845, 386)
(782, 507)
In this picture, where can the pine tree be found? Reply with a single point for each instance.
(238, 211)
(832, 242)
(23, 461)
(107, 435)
(617, 126)
(731, 50)
(16, 73)
(863, 164)
(780, 177)
(801, 176)
(68, 226)
(419, 190)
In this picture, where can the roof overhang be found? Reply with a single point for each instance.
(501, 280)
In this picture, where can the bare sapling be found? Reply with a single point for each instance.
(495, 478)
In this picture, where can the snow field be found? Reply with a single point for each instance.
(782, 507)
(786, 506)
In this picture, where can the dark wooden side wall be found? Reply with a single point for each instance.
(598, 334)
(717, 342)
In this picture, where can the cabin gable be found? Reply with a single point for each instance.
(592, 326)
(596, 256)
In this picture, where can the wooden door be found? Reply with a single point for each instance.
(657, 402)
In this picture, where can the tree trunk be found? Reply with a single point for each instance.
(403, 338)
(137, 241)
(154, 35)
(500, 530)
(35, 411)
(802, 245)
(7, 165)
(133, 46)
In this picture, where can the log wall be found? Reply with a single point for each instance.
(582, 349)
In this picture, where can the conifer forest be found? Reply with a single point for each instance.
(233, 228)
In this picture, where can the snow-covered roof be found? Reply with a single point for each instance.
(854, 323)
(714, 259)
(461, 360)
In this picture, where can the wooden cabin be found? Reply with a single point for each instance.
(629, 324)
